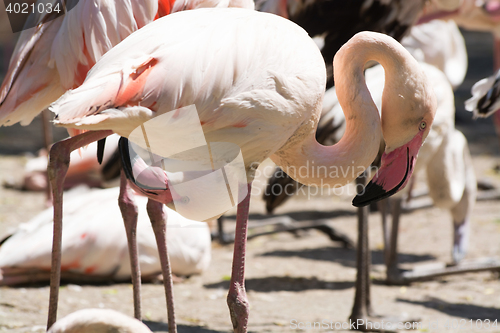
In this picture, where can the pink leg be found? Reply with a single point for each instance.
(237, 297)
(158, 221)
(58, 166)
(129, 214)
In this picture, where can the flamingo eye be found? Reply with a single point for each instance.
(423, 125)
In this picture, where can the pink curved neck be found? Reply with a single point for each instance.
(311, 163)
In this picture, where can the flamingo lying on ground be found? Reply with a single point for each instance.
(93, 245)
(57, 54)
(83, 168)
(98, 321)
(257, 80)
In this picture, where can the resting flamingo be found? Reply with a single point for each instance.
(83, 169)
(57, 54)
(257, 80)
(94, 247)
(98, 321)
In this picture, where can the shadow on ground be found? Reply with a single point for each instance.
(460, 310)
(157, 326)
(345, 257)
(286, 283)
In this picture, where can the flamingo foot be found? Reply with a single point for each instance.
(239, 308)
(57, 168)
(129, 214)
(159, 223)
(237, 300)
(460, 240)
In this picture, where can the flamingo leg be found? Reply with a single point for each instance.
(58, 166)
(48, 138)
(237, 300)
(362, 312)
(129, 213)
(462, 212)
(383, 207)
(159, 223)
(362, 303)
(461, 230)
(391, 248)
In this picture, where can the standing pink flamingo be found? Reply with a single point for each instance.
(257, 80)
(55, 56)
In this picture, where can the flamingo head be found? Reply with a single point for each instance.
(148, 180)
(404, 134)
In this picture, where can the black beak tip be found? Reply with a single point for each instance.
(372, 193)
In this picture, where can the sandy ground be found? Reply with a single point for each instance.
(294, 279)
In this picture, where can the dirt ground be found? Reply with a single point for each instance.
(294, 279)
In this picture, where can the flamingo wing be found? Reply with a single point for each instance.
(56, 55)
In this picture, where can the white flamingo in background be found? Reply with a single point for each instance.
(445, 155)
(98, 321)
(83, 168)
(94, 248)
(257, 80)
(57, 54)
(479, 15)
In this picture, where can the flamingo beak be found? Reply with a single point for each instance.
(394, 173)
(150, 181)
